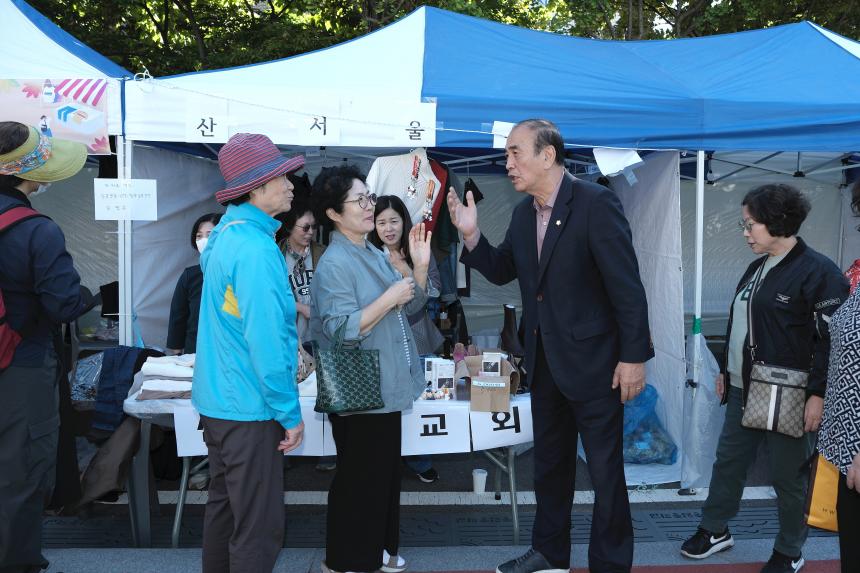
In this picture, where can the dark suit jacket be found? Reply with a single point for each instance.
(585, 295)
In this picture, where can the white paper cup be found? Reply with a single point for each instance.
(479, 480)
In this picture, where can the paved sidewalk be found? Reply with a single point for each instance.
(746, 557)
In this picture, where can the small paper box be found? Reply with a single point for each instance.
(471, 366)
(490, 394)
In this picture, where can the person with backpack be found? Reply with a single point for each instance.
(39, 290)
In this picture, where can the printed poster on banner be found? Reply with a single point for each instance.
(66, 108)
(497, 429)
(435, 427)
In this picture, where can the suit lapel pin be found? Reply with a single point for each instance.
(558, 222)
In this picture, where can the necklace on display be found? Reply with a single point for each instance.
(428, 204)
(412, 189)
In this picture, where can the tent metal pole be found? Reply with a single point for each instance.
(126, 338)
(700, 234)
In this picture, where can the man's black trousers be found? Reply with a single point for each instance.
(557, 422)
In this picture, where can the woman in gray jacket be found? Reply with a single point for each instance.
(356, 284)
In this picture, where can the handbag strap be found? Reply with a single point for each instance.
(756, 282)
(338, 336)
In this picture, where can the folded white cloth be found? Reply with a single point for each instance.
(166, 385)
(167, 369)
(308, 386)
(179, 360)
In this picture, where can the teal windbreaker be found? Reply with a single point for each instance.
(247, 350)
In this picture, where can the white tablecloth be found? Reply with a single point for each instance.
(430, 427)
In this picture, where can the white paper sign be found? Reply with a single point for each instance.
(189, 433)
(126, 199)
(497, 429)
(207, 120)
(501, 131)
(435, 427)
(614, 161)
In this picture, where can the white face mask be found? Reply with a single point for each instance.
(201, 243)
(42, 188)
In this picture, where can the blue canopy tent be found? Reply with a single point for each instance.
(789, 88)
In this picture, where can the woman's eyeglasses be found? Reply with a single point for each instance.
(364, 200)
(306, 228)
(746, 225)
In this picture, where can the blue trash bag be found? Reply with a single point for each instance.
(645, 439)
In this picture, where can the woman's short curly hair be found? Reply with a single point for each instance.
(331, 188)
(781, 208)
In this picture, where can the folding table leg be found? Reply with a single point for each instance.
(180, 503)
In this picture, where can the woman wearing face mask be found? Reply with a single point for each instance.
(392, 236)
(185, 306)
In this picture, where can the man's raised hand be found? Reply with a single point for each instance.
(464, 217)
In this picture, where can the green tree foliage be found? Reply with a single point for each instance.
(176, 36)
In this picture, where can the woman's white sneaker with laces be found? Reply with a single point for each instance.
(392, 563)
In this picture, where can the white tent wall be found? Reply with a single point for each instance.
(652, 206)
(91, 243)
(161, 249)
(726, 254)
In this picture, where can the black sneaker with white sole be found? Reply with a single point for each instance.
(530, 562)
(781, 563)
(428, 476)
(705, 543)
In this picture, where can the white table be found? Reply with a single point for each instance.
(430, 427)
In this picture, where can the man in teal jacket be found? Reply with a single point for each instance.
(247, 353)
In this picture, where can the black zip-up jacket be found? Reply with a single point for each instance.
(791, 315)
(40, 285)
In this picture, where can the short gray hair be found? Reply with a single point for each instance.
(546, 134)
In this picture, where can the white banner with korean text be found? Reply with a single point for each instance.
(435, 427)
(497, 429)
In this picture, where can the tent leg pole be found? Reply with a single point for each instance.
(124, 158)
(697, 307)
(700, 234)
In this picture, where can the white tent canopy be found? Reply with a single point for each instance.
(369, 90)
(34, 47)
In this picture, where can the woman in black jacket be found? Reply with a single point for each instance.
(798, 291)
(185, 306)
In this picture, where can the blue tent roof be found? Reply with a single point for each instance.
(790, 88)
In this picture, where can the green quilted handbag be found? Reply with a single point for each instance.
(347, 378)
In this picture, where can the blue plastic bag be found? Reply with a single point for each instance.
(645, 439)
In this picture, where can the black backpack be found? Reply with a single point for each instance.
(9, 339)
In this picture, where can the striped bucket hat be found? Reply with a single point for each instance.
(249, 160)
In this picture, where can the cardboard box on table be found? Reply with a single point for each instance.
(487, 394)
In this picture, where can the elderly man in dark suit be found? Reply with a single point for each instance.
(587, 339)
